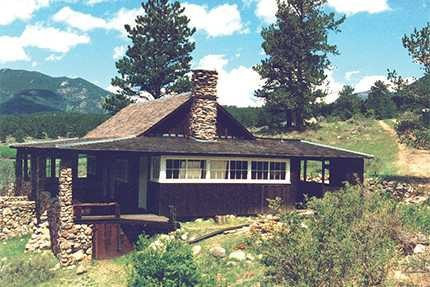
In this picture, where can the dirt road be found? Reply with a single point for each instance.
(410, 161)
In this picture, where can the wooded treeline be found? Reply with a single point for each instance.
(48, 125)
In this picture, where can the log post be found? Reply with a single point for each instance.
(18, 173)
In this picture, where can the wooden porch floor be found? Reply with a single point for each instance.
(144, 219)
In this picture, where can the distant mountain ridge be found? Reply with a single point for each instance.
(24, 91)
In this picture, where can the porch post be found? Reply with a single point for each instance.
(53, 167)
(25, 157)
(305, 170)
(36, 174)
(18, 173)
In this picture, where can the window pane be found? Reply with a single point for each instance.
(175, 168)
(260, 170)
(219, 169)
(238, 169)
(277, 170)
(196, 169)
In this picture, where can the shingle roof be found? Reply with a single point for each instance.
(137, 118)
(221, 147)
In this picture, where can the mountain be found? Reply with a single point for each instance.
(24, 91)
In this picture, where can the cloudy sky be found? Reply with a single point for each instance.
(84, 38)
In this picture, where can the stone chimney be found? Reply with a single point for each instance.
(203, 117)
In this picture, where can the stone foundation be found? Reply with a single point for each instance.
(16, 216)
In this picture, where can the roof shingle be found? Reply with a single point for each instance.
(137, 118)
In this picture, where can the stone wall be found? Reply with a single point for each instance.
(203, 115)
(16, 216)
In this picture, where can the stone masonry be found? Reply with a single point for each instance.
(16, 216)
(71, 243)
(203, 116)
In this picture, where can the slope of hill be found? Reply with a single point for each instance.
(33, 101)
(78, 95)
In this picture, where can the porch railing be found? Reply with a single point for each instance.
(94, 209)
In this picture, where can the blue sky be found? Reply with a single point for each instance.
(83, 38)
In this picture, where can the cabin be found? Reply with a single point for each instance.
(179, 157)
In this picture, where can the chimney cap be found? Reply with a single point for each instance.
(204, 71)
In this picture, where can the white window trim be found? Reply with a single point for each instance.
(162, 177)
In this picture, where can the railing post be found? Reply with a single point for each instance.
(117, 210)
(172, 214)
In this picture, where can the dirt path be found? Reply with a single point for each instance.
(410, 161)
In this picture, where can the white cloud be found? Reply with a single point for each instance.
(87, 22)
(34, 64)
(119, 52)
(266, 10)
(81, 21)
(38, 36)
(367, 82)
(332, 87)
(350, 75)
(12, 50)
(222, 20)
(12, 10)
(51, 39)
(54, 57)
(357, 6)
(235, 86)
(123, 17)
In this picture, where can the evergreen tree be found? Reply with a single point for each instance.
(158, 56)
(418, 45)
(380, 101)
(297, 48)
(348, 104)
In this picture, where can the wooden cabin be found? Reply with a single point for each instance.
(185, 156)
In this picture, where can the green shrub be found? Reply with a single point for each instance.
(412, 131)
(27, 271)
(349, 241)
(164, 262)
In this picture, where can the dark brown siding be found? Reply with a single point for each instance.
(204, 200)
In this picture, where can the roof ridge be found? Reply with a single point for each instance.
(163, 98)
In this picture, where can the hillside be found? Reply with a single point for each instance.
(18, 87)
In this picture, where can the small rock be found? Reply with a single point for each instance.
(419, 248)
(217, 251)
(184, 236)
(231, 263)
(196, 250)
(250, 257)
(81, 270)
(78, 256)
(237, 255)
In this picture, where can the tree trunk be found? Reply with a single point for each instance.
(299, 119)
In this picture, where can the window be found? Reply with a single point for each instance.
(219, 169)
(121, 170)
(196, 169)
(175, 168)
(238, 169)
(259, 170)
(278, 170)
(155, 168)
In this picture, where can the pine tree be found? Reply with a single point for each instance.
(297, 49)
(380, 101)
(348, 104)
(159, 55)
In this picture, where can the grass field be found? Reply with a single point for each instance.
(7, 152)
(362, 135)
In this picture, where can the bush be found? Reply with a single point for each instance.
(348, 242)
(24, 271)
(411, 131)
(164, 262)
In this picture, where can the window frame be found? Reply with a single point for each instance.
(163, 179)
